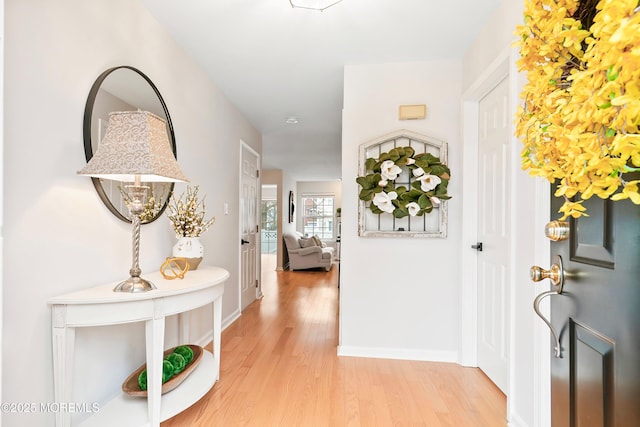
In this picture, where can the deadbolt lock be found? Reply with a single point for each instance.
(557, 230)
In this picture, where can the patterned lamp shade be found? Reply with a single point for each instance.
(135, 145)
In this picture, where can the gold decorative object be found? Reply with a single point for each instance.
(178, 267)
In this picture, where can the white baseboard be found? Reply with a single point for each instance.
(207, 337)
(400, 354)
(230, 319)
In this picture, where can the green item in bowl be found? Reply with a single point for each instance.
(167, 371)
(186, 352)
(177, 361)
(142, 380)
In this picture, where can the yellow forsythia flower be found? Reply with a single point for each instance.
(580, 118)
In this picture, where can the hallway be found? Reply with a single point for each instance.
(279, 368)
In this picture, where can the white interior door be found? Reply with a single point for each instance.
(249, 234)
(493, 226)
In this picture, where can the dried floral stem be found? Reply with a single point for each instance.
(188, 216)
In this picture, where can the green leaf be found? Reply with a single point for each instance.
(610, 133)
(611, 76)
(439, 170)
(409, 152)
(394, 154)
(375, 209)
(401, 190)
(604, 106)
(364, 182)
(400, 212)
(383, 157)
(424, 202)
(422, 163)
(366, 195)
(433, 160)
(370, 164)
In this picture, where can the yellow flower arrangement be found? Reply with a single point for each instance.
(580, 121)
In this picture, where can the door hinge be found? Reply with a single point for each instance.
(257, 173)
(256, 283)
(257, 228)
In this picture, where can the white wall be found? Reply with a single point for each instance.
(58, 236)
(495, 36)
(399, 296)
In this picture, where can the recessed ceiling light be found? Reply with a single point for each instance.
(292, 120)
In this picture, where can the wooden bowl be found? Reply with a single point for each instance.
(131, 387)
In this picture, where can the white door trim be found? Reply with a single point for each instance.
(503, 65)
(244, 145)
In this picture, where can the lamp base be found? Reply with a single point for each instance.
(134, 284)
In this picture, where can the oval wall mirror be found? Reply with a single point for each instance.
(125, 88)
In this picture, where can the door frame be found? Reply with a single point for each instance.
(244, 145)
(503, 66)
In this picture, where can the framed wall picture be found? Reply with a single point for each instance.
(403, 186)
(291, 207)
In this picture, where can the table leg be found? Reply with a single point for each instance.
(155, 344)
(217, 328)
(63, 342)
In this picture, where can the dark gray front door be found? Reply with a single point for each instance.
(596, 382)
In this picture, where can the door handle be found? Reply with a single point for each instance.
(477, 246)
(244, 242)
(556, 275)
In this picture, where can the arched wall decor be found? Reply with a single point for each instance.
(425, 219)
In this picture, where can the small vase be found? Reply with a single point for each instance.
(190, 248)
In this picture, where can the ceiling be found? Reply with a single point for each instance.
(273, 61)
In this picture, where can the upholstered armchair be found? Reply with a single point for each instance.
(307, 252)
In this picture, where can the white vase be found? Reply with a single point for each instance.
(190, 248)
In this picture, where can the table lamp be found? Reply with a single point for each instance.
(135, 149)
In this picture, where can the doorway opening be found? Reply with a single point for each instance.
(269, 227)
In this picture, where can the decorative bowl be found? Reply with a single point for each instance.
(131, 387)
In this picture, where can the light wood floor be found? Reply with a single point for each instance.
(279, 368)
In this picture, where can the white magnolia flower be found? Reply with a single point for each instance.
(429, 182)
(389, 170)
(418, 172)
(411, 161)
(382, 183)
(435, 200)
(383, 201)
(413, 208)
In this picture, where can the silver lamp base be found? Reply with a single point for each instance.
(134, 284)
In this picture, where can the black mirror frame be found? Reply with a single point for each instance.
(88, 149)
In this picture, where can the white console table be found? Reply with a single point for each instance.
(101, 306)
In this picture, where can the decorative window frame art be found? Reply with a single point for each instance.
(418, 164)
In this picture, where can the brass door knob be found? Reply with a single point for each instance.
(555, 273)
